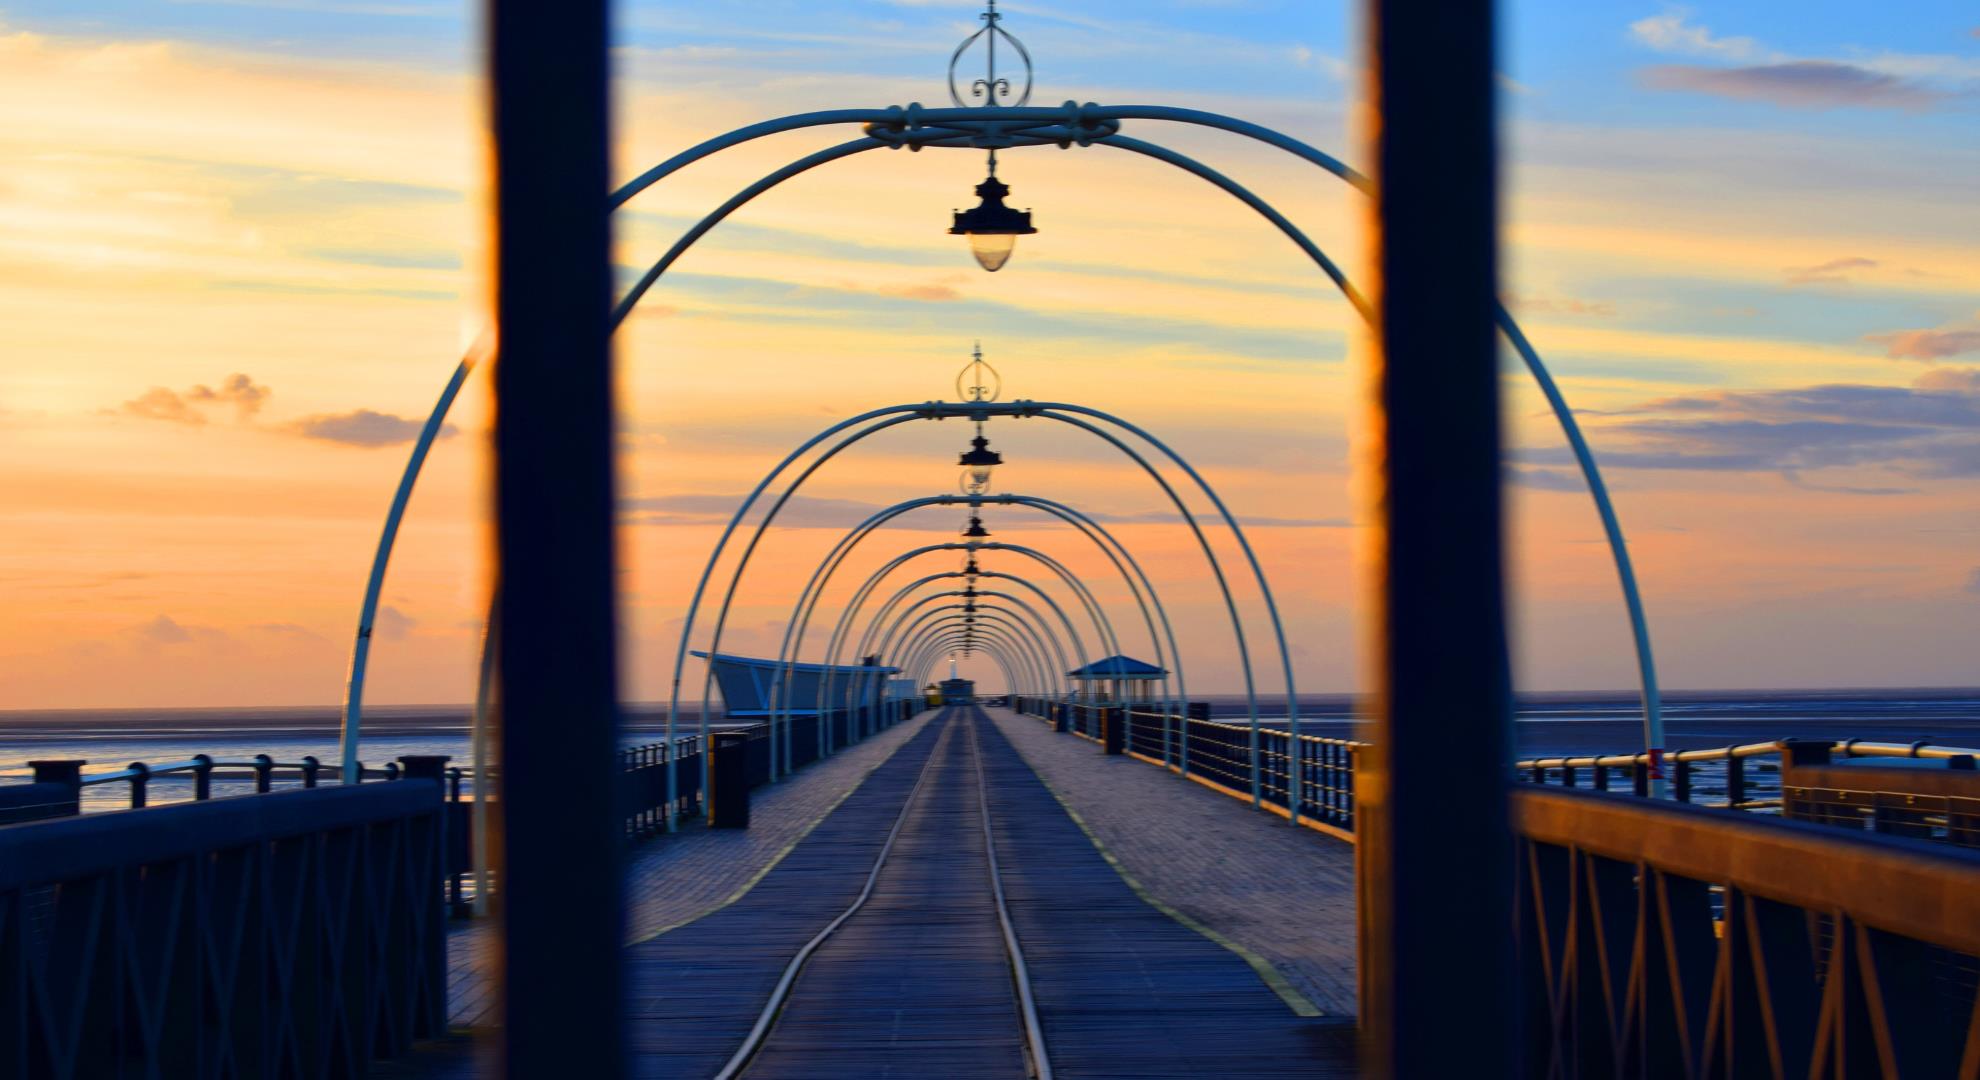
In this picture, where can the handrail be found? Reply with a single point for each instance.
(1845, 748)
(1930, 892)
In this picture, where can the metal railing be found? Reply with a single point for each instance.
(232, 937)
(1743, 777)
(1219, 755)
(1658, 939)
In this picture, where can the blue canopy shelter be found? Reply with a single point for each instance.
(1117, 680)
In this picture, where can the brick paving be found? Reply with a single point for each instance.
(676, 879)
(1282, 893)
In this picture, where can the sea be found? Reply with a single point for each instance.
(1545, 725)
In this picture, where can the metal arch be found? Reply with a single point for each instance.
(989, 619)
(1265, 210)
(809, 598)
(883, 646)
(1093, 608)
(1037, 630)
(1230, 603)
(945, 639)
(898, 560)
(375, 583)
(949, 637)
(936, 646)
(1072, 123)
(953, 636)
(1058, 648)
(729, 596)
(906, 589)
(895, 630)
(1045, 628)
(1105, 540)
(1077, 116)
(805, 164)
(867, 644)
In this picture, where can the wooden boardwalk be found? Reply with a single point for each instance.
(918, 982)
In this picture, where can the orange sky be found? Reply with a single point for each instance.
(232, 279)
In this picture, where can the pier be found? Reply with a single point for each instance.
(831, 861)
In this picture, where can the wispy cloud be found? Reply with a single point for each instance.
(1742, 69)
(1927, 344)
(1833, 272)
(363, 427)
(1798, 84)
(1930, 429)
(1673, 32)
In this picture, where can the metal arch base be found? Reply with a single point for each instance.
(916, 127)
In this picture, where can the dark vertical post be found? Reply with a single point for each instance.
(562, 917)
(728, 796)
(1438, 888)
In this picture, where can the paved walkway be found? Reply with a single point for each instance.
(677, 879)
(1282, 895)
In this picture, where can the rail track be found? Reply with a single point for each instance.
(929, 975)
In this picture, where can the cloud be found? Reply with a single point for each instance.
(1798, 84)
(932, 293)
(808, 512)
(1927, 344)
(393, 624)
(1832, 272)
(165, 630)
(1566, 305)
(1546, 479)
(1930, 429)
(160, 403)
(363, 427)
(1672, 33)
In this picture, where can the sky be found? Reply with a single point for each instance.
(239, 258)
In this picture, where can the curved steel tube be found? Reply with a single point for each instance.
(1039, 634)
(375, 583)
(1073, 116)
(885, 644)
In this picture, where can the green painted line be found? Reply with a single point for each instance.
(785, 851)
(1296, 1001)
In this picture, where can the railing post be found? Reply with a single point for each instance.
(311, 770)
(728, 802)
(264, 773)
(202, 777)
(1439, 975)
(1681, 781)
(1735, 782)
(65, 773)
(140, 785)
(1601, 777)
(1113, 730)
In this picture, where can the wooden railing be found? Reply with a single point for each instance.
(1659, 940)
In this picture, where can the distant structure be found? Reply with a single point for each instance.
(1117, 680)
(750, 692)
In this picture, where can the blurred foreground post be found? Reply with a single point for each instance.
(1436, 869)
(560, 895)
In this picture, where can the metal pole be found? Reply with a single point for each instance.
(562, 913)
(1437, 966)
(484, 784)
